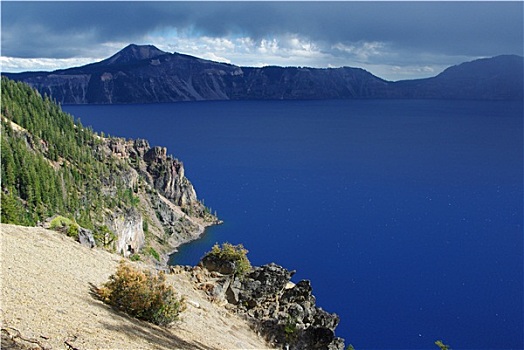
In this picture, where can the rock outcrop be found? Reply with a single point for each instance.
(167, 176)
(285, 313)
(128, 227)
(168, 200)
(85, 237)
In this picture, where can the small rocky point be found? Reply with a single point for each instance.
(283, 312)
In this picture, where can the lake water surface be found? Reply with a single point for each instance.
(407, 216)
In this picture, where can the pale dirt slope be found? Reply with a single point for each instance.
(46, 283)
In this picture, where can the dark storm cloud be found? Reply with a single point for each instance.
(406, 32)
(66, 29)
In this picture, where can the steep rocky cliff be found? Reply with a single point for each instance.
(168, 201)
(123, 194)
(145, 74)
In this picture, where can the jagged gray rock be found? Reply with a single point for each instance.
(175, 213)
(128, 227)
(85, 237)
(214, 263)
(285, 313)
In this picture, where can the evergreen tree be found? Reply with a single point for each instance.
(52, 164)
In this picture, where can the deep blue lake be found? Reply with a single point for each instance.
(407, 216)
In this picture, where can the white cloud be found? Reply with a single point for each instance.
(14, 64)
(213, 57)
(363, 50)
(268, 47)
(410, 36)
(218, 44)
(379, 58)
(405, 72)
(287, 50)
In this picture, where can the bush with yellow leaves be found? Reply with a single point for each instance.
(142, 294)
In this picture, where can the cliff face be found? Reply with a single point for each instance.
(167, 176)
(128, 227)
(168, 200)
(145, 74)
(123, 194)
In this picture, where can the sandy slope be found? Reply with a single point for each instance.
(46, 282)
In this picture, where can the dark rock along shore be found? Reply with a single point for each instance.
(285, 313)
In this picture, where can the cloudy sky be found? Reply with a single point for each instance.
(393, 40)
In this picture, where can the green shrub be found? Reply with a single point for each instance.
(290, 329)
(72, 231)
(151, 251)
(63, 224)
(142, 294)
(59, 222)
(104, 236)
(234, 253)
(134, 257)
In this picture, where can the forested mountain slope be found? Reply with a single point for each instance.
(129, 196)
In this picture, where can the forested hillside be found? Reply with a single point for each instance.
(49, 163)
(53, 165)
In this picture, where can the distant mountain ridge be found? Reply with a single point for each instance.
(145, 74)
(497, 78)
